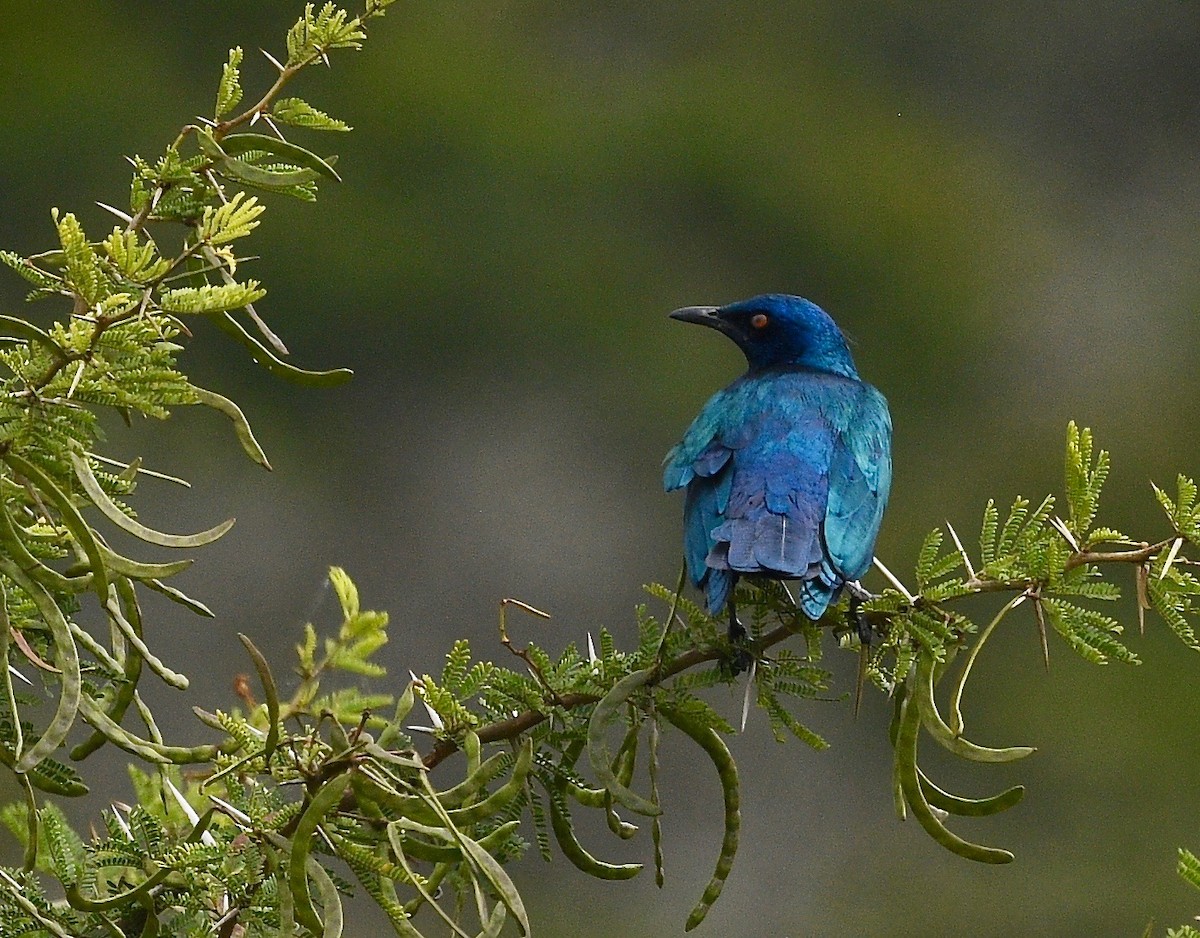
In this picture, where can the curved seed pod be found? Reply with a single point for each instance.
(495, 924)
(143, 748)
(248, 173)
(433, 883)
(604, 715)
(573, 850)
(133, 671)
(969, 807)
(498, 878)
(711, 742)
(323, 802)
(906, 768)
(271, 694)
(449, 852)
(275, 365)
(331, 902)
(937, 728)
(113, 513)
(626, 761)
(50, 578)
(425, 810)
(484, 772)
(656, 822)
(588, 797)
(425, 889)
(177, 596)
(237, 144)
(473, 750)
(171, 678)
(241, 426)
(139, 570)
(71, 518)
(502, 796)
(67, 657)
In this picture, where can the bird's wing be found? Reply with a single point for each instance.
(700, 461)
(860, 475)
(702, 451)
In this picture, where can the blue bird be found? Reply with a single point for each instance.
(787, 470)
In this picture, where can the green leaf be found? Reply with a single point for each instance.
(138, 262)
(316, 33)
(230, 221)
(212, 298)
(229, 90)
(300, 113)
(83, 272)
(1189, 867)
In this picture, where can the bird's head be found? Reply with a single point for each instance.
(778, 329)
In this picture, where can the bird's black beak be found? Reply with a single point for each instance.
(702, 315)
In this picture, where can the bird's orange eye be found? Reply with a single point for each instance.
(759, 320)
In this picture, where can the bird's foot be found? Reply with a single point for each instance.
(858, 621)
(740, 656)
(857, 591)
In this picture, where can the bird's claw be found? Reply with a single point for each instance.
(858, 621)
(740, 657)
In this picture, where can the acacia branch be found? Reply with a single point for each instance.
(513, 727)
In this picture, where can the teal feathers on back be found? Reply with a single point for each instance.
(787, 470)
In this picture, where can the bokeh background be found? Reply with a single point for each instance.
(998, 203)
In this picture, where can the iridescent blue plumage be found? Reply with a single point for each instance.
(787, 470)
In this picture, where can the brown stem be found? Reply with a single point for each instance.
(523, 722)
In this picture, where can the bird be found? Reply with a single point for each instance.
(787, 470)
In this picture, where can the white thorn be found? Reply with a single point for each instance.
(115, 211)
(75, 381)
(15, 673)
(749, 688)
(427, 730)
(270, 58)
(206, 121)
(1171, 555)
(254, 119)
(238, 817)
(893, 580)
(433, 715)
(962, 550)
(1062, 529)
(592, 656)
(206, 838)
(121, 823)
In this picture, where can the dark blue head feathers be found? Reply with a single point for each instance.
(778, 329)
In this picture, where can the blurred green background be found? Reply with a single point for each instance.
(997, 202)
